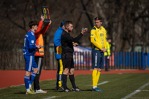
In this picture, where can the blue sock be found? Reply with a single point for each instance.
(26, 81)
(33, 75)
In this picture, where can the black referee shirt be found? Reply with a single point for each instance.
(66, 40)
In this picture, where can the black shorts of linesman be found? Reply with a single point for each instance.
(67, 55)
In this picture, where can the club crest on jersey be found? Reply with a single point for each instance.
(32, 41)
(101, 34)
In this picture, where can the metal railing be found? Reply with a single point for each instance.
(118, 60)
(131, 60)
(82, 60)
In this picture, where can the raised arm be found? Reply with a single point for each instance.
(40, 24)
(76, 39)
(45, 28)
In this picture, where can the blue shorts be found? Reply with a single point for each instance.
(97, 59)
(30, 63)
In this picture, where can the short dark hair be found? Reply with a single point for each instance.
(67, 22)
(62, 23)
(32, 23)
(98, 18)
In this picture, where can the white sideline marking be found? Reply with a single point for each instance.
(136, 91)
(144, 90)
(12, 86)
(17, 85)
(51, 97)
(104, 82)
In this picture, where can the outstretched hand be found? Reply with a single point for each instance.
(104, 50)
(38, 46)
(75, 44)
(50, 22)
(42, 17)
(84, 30)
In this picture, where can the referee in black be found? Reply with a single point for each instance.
(67, 55)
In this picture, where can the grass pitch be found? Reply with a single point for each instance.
(114, 86)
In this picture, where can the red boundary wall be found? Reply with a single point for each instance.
(16, 77)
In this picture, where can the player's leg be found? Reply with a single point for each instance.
(72, 80)
(96, 69)
(94, 78)
(57, 75)
(32, 77)
(95, 88)
(60, 72)
(36, 80)
(71, 70)
(98, 75)
(100, 65)
(27, 83)
(66, 63)
(27, 80)
(28, 68)
(34, 71)
(58, 53)
(94, 66)
(106, 63)
(64, 79)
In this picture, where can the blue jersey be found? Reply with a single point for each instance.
(57, 37)
(29, 44)
(57, 42)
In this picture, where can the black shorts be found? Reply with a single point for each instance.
(67, 59)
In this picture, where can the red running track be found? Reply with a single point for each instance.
(16, 77)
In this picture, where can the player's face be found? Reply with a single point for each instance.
(98, 23)
(35, 27)
(70, 28)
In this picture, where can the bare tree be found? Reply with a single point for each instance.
(122, 19)
(126, 20)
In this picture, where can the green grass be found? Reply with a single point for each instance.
(119, 86)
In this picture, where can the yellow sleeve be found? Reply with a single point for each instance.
(108, 49)
(94, 40)
(107, 44)
(105, 38)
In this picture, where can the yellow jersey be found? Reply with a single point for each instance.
(108, 52)
(98, 37)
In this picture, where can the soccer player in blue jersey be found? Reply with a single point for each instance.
(58, 52)
(29, 50)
